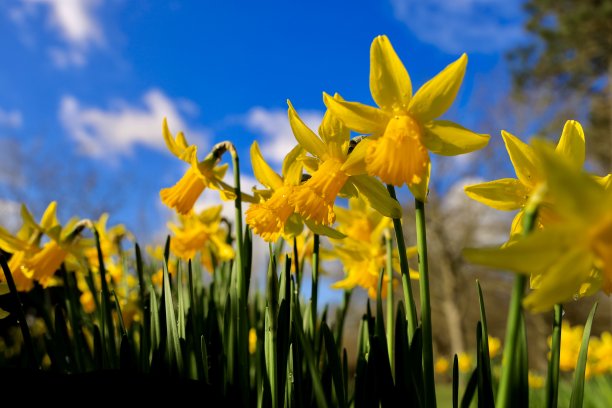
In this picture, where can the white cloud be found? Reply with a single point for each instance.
(114, 132)
(74, 21)
(10, 217)
(457, 26)
(11, 119)
(273, 127)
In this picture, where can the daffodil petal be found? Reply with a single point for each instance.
(377, 196)
(49, 217)
(324, 230)
(450, 139)
(389, 81)
(334, 133)
(4, 314)
(292, 166)
(561, 281)
(262, 171)
(355, 162)
(348, 190)
(437, 95)
(523, 159)
(503, 194)
(572, 144)
(576, 193)
(305, 137)
(10, 243)
(358, 117)
(605, 181)
(529, 255)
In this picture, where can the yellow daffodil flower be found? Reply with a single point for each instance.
(27, 257)
(511, 194)
(362, 252)
(200, 175)
(333, 172)
(536, 380)
(404, 129)
(573, 258)
(274, 216)
(441, 366)
(201, 234)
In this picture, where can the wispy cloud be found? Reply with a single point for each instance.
(113, 132)
(10, 214)
(74, 22)
(458, 26)
(10, 119)
(274, 132)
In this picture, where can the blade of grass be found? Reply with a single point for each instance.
(486, 382)
(577, 397)
(174, 354)
(334, 364)
(552, 376)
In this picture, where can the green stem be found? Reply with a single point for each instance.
(552, 379)
(346, 300)
(21, 319)
(428, 361)
(513, 325)
(315, 284)
(390, 303)
(241, 286)
(296, 263)
(411, 314)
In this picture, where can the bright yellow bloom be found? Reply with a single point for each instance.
(200, 175)
(465, 362)
(334, 171)
(442, 365)
(404, 129)
(511, 194)
(535, 380)
(252, 341)
(362, 252)
(494, 346)
(570, 259)
(201, 234)
(274, 215)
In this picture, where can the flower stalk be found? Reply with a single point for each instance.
(552, 378)
(428, 361)
(514, 319)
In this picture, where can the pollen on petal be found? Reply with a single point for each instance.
(267, 219)
(314, 200)
(183, 195)
(399, 156)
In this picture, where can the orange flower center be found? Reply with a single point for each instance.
(268, 219)
(399, 156)
(601, 243)
(314, 200)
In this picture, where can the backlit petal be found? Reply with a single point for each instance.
(357, 116)
(305, 137)
(389, 81)
(571, 144)
(437, 95)
(262, 171)
(504, 194)
(450, 139)
(377, 196)
(523, 159)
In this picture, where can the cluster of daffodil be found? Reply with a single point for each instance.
(561, 238)
(599, 361)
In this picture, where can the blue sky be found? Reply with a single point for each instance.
(86, 83)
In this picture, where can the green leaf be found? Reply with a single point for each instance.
(552, 376)
(173, 348)
(578, 387)
(470, 390)
(119, 314)
(204, 357)
(455, 382)
(126, 355)
(182, 306)
(334, 363)
(404, 379)
(485, 385)
(155, 325)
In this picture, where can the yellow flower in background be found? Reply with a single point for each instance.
(29, 262)
(465, 362)
(441, 366)
(494, 346)
(600, 354)
(333, 172)
(201, 234)
(535, 380)
(199, 176)
(404, 129)
(511, 194)
(363, 253)
(569, 259)
(571, 339)
(252, 340)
